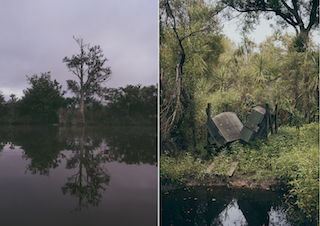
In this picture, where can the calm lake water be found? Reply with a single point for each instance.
(70, 176)
(222, 206)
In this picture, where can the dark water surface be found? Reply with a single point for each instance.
(70, 176)
(222, 206)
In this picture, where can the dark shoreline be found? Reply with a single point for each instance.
(237, 182)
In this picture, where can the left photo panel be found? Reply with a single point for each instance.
(79, 113)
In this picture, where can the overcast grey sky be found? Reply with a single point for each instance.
(232, 30)
(36, 35)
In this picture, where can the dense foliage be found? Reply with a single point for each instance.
(40, 102)
(133, 101)
(199, 65)
(302, 15)
(231, 78)
(130, 105)
(288, 156)
(190, 44)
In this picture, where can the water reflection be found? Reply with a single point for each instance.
(40, 146)
(82, 153)
(91, 179)
(222, 206)
(231, 215)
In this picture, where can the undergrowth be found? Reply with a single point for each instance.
(290, 156)
(181, 169)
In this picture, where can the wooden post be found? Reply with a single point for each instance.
(227, 107)
(208, 110)
(270, 121)
(267, 126)
(276, 119)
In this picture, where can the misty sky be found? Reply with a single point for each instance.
(36, 35)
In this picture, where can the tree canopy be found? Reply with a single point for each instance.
(43, 99)
(302, 15)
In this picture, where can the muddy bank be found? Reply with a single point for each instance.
(238, 182)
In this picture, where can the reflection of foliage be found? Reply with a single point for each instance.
(89, 151)
(133, 145)
(43, 160)
(93, 147)
(88, 185)
(4, 135)
(40, 145)
(212, 206)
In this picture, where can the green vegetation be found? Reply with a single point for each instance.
(199, 65)
(289, 157)
(130, 105)
(302, 15)
(180, 169)
(43, 99)
(38, 105)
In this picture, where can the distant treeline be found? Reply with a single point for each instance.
(133, 104)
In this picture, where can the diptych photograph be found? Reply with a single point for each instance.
(159, 112)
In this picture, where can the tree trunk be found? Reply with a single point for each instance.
(304, 38)
(82, 108)
(301, 42)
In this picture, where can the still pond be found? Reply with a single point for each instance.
(212, 206)
(74, 176)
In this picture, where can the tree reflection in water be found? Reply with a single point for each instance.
(92, 177)
(222, 206)
(84, 150)
(40, 145)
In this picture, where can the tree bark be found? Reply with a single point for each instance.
(82, 108)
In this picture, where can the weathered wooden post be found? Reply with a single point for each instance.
(227, 107)
(270, 121)
(208, 110)
(267, 126)
(276, 119)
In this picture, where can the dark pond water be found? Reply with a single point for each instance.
(70, 176)
(222, 206)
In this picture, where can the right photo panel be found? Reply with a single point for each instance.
(239, 112)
